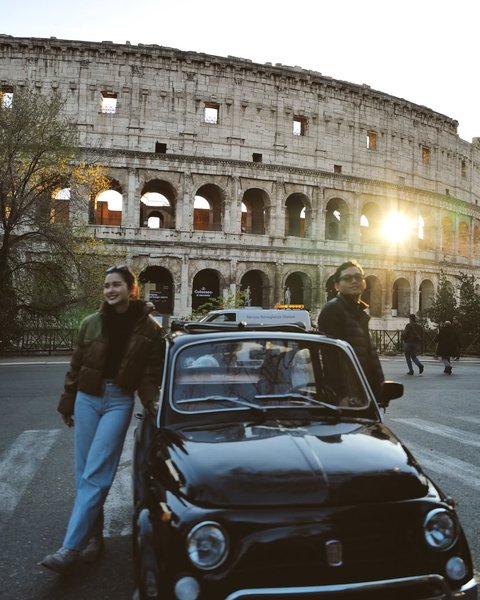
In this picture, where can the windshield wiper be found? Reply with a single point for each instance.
(237, 401)
(300, 400)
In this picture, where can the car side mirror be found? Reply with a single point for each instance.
(391, 390)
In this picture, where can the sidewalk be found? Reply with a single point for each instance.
(36, 359)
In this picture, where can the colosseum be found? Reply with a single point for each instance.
(229, 175)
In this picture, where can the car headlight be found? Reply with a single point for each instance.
(440, 529)
(207, 545)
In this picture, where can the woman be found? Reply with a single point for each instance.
(120, 350)
(447, 345)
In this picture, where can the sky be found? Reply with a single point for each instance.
(425, 51)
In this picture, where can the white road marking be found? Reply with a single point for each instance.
(22, 460)
(468, 419)
(19, 465)
(119, 503)
(443, 464)
(459, 435)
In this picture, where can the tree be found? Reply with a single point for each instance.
(445, 303)
(46, 256)
(468, 311)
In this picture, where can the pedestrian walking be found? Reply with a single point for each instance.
(346, 317)
(447, 345)
(457, 326)
(412, 343)
(120, 350)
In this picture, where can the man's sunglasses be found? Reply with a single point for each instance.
(354, 277)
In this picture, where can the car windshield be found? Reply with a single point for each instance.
(264, 374)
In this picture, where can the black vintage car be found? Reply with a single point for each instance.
(270, 474)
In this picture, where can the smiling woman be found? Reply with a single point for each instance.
(119, 352)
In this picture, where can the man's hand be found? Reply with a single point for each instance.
(68, 420)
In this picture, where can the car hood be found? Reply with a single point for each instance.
(274, 464)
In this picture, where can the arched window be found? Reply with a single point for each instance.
(108, 208)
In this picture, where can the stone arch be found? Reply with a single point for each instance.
(256, 282)
(401, 297)
(159, 288)
(426, 230)
(426, 295)
(297, 289)
(330, 291)
(447, 235)
(373, 295)
(336, 220)
(463, 238)
(158, 199)
(60, 209)
(155, 220)
(206, 285)
(255, 211)
(476, 240)
(370, 223)
(106, 207)
(297, 211)
(208, 208)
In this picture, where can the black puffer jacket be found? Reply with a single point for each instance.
(344, 318)
(140, 368)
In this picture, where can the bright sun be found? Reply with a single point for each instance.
(396, 228)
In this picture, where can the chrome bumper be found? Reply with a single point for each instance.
(441, 590)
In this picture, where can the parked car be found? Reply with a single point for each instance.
(256, 315)
(269, 473)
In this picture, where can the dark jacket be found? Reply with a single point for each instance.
(344, 318)
(447, 341)
(413, 333)
(140, 368)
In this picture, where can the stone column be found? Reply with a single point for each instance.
(184, 208)
(317, 226)
(233, 215)
(414, 295)
(277, 285)
(388, 292)
(131, 209)
(183, 294)
(277, 211)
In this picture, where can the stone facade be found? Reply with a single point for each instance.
(233, 174)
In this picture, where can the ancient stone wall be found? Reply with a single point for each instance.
(298, 172)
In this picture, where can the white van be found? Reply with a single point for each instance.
(254, 315)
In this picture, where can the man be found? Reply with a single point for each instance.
(412, 341)
(345, 317)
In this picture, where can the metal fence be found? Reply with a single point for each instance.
(51, 340)
(390, 342)
(45, 340)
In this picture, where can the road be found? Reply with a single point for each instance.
(438, 417)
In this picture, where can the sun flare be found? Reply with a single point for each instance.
(396, 228)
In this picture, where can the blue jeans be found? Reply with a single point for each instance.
(101, 424)
(410, 349)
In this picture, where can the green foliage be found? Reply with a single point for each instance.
(445, 303)
(468, 312)
(446, 306)
(46, 262)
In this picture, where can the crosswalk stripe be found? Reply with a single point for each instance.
(19, 465)
(443, 464)
(459, 435)
(468, 419)
(118, 506)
